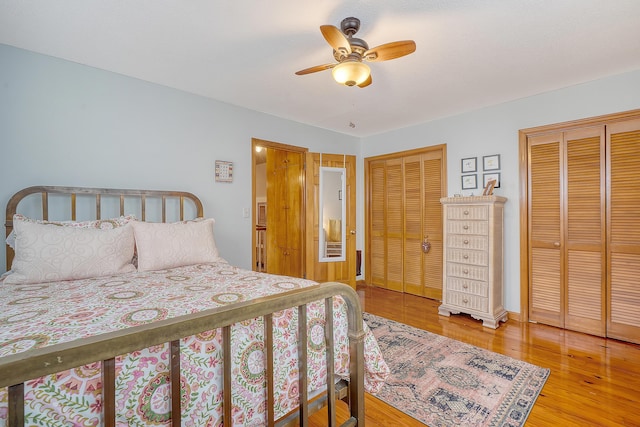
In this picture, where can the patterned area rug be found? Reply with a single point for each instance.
(443, 382)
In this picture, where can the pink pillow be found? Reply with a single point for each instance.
(160, 246)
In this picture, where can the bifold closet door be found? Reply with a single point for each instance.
(377, 221)
(394, 213)
(623, 228)
(546, 262)
(566, 230)
(423, 225)
(386, 213)
(585, 250)
(405, 212)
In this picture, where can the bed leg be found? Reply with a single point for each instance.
(109, 392)
(331, 385)
(356, 383)
(176, 407)
(16, 405)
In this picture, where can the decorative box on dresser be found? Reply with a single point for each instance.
(472, 273)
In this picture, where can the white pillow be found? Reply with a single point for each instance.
(161, 245)
(102, 224)
(46, 253)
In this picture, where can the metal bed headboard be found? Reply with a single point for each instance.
(181, 196)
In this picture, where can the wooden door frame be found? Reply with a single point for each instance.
(523, 137)
(367, 192)
(255, 142)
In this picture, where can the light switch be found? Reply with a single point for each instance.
(245, 212)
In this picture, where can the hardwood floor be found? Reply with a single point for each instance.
(593, 381)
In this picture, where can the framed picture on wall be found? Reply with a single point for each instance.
(469, 182)
(491, 163)
(469, 164)
(224, 171)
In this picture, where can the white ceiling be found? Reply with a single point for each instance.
(470, 53)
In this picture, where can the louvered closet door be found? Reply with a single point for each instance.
(413, 269)
(423, 223)
(584, 250)
(377, 223)
(566, 226)
(394, 209)
(433, 190)
(623, 227)
(545, 231)
(404, 210)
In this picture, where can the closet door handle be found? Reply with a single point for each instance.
(556, 244)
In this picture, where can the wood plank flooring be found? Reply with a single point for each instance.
(593, 382)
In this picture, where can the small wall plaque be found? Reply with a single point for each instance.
(224, 171)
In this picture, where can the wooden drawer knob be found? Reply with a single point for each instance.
(466, 227)
(466, 212)
(466, 242)
(465, 271)
(465, 256)
(466, 301)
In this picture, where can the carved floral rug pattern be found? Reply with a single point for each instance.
(443, 382)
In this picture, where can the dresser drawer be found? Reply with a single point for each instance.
(465, 286)
(468, 212)
(467, 256)
(465, 271)
(468, 227)
(467, 301)
(478, 243)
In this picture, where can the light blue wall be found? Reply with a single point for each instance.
(62, 123)
(494, 130)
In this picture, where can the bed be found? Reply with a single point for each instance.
(136, 320)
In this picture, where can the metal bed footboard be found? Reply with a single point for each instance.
(18, 368)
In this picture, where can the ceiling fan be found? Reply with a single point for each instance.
(352, 53)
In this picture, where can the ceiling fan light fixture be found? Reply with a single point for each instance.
(351, 73)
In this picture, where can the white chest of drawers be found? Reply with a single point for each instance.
(472, 273)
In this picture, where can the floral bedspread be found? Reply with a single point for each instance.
(38, 315)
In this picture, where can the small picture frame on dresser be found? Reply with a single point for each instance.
(488, 188)
(469, 182)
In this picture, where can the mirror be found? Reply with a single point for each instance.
(331, 215)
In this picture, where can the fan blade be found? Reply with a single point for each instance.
(389, 51)
(366, 82)
(315, 69)
(336, 39)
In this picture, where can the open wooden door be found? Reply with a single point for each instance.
(285, 219)
(333, 271)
